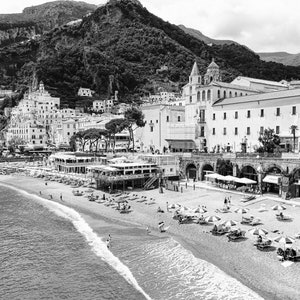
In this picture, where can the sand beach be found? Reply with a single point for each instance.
(261, 271)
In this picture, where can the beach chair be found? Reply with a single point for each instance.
(263, 245)
(247, 220)
(222, 210)
(236, 235)
(282, 217)
(255, 222)
(219, 230)
(201, 221)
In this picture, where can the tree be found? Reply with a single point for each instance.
(224, 167)
(14, 143)
(293, 132)
(115, 126)
(133, 116)
(269, 140)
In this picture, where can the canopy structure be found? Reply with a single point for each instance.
(275, 179)
(212, 175)
(245, 180)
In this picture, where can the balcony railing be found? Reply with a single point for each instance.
(122, 177)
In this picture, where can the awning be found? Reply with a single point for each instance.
(272, 179)
(181, 144)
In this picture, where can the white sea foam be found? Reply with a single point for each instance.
(194, 278)
(98, 246)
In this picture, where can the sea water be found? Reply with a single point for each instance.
(48, 251)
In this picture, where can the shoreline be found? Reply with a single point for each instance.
(203, 245)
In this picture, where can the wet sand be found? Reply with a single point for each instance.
(259, 270)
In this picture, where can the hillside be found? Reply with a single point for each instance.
(36, 20)
(120, 47)
(281, 57)
(207, 40)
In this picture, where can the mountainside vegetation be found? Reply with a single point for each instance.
(121, 46)
(284, 58)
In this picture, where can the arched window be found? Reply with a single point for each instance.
(230, 94)
(198, 96)
(235, 94)
(199, 79)
(241, 94)
(219, 94)
(209, 95)
(203, 95)
(224, 94)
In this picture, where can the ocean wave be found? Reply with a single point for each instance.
(183, 276)
(97, 245)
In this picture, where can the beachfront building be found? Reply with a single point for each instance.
(75, 162)
(125, 175)
(168, 164)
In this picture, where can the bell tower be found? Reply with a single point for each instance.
(212, 73)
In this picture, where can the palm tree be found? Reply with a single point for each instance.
(293, 132)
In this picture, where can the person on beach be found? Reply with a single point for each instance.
(167, 206)
(50, 196)
(225, 202)
(60, 197)
(148, 229)
(108, 243)
(46, 183)
(40, 193)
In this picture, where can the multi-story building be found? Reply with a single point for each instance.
(220, 116)
(85, 92)
(103, 105)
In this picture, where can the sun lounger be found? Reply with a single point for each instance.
(247, 220)
(201, 221)
(283, 217)
(255, 222)
(263, 245)
(222, 210)
(235, 235)
(219, 230)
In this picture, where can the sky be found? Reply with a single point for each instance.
(262, 25)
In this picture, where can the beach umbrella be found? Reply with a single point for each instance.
(229, 223)
(278, 207)
(245, 180)
(284, 240)
(200, 210)
(241, 210)
(258, 231)
(212, 219)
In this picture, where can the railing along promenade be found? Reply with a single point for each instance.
(123, 177)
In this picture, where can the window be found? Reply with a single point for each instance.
(202, 131)
(190, 99)
(224, 115)
(214, 116)
(235, 94)
(219, 94)
(248, 113)
(156, 121)
(167, 118)
(236, 115)
(236, 131)
(248, 130)
(294, 110)
(230, 94)
(261, 131)
(203, 95)
(151, 128)
(214, 131)
(262, 113)
(224, 94)
(198, 96)
(278, 111)
(224, 131)
(178, 118)
(277, 129)
(209, 95)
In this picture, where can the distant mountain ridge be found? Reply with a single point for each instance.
(281, 57)
(199, 35)
(39, 19)
(120, 46)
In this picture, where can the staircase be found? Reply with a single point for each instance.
(149, 183)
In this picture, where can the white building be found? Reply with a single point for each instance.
(85, 92)
(103, 105)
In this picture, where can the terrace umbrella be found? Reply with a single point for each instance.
(230, 178)
(210, 219)
(278, 207)
(245, 180)
(229, 223)
(258, 231)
